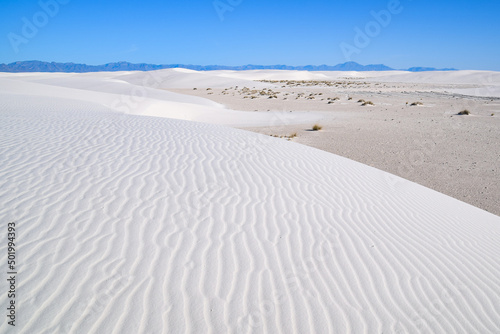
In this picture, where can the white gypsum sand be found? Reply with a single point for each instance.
(412, 129)
(139, 224)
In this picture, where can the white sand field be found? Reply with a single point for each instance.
(426, 143)
(134, 215)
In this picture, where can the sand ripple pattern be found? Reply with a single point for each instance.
(132, 224)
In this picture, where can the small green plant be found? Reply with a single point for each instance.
(464, 112)
(316, 127)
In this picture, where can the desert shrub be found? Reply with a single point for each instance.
(316, 127)
(366, 103)
(417, 104)
(293, 135)
(464, 112)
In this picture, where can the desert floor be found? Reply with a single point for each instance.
(426, 143)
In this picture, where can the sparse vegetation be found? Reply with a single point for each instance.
(464, 112)
(293, 135)
(332, 99)
(492, 114)
(317, 127)
(309, 83)
(366, 103)
(416, 104)
(361, 101)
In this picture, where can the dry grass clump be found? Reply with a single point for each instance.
(464, 112)
(366, 103)
(317, 127)
(417, 104)
(293, 135)
(254, 93)
(361, 101)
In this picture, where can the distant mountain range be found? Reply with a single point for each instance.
(41, 66)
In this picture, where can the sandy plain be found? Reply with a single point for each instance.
(427, 142)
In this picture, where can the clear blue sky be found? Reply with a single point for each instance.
(459, 34)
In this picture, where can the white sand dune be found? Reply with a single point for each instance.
(481, 83)
(145, 97)
(136, 224)
(183, 78)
